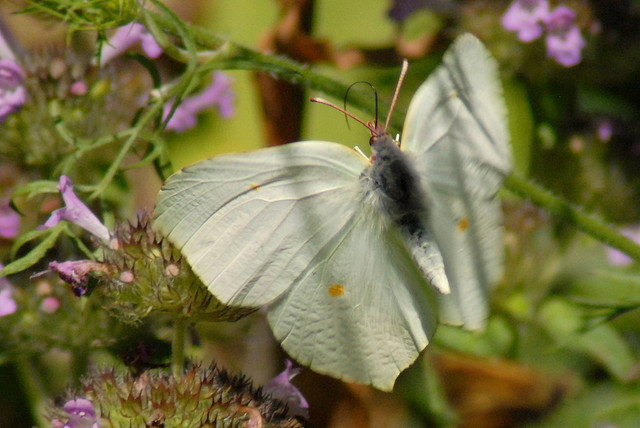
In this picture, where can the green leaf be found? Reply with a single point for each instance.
(35, 188)
(607, 289)
(564, 322)
(37, 253)
(495, 340)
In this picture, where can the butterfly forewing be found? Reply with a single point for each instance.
(456, 127)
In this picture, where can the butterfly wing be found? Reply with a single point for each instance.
(366, 316)
(292, 227)
(456, 125)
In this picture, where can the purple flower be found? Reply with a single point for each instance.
(76, 273)
(79, 88)
(12, 93)
(9, 221)
(81, 414)
(50, 305)
(605, 131)
(617, 257)
(526, 18)
(564, 42)
(7, 304)
(282, 389)
(76, 212)
(126, 37)
(218, 93)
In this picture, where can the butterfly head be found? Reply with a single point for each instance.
(380, 139)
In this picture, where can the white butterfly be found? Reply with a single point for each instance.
(339, 247)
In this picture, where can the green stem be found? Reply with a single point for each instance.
(591, 224)
(33, 389)
(229, 55)
(80, 352)
(177, 346)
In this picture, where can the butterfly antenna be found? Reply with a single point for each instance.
(403, 73)
(375, 94)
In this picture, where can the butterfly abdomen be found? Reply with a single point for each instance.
(393, 186)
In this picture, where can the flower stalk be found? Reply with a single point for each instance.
(178, 346)
(590, 224)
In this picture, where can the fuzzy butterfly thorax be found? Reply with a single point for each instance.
(397, 181)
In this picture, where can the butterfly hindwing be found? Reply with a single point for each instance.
(366, 312)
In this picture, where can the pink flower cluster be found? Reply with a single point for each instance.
(530, 18)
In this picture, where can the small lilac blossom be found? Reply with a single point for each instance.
(282, 389)
(617, 257)
(7, 304)
(12, 93)
(605, 131)
(9, 221)
(218, 93)
(126, 37)
(50, 305)
(564, 41)
(76, 273)
(81, 414)
(79, 88)
(76, 212)
(526, 17)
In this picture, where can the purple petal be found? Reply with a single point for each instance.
(566, 48)
(76, 273)
(80, 407)
(125, 38)
(9, 221)
(50, 305)
(218, 93)
(149, 45)
(81, 414)
(282, 389)
(11, 75)
(79, 88)
(617, 257)
(605, 131)
(76, 212)
(526, 18)
(560, 19)
(12, 93)
(181, 120)
(7, 304)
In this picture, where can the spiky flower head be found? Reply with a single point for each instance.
(208, 397)
(148, 275)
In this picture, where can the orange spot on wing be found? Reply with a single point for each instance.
(254, 187)
(463, 224)
(336, 290)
